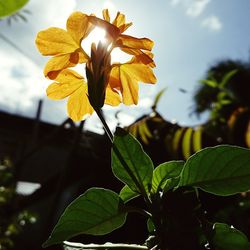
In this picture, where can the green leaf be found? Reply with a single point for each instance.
(150, 226)
(221, 170)
(97, 212)
(210, 83)
(130, 163)
(165, 175)
(10, 7)
(157, 98)
(227, 77)
(229, 238)
(126, 194)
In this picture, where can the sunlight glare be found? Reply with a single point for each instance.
(96, 36)
(110, 6)
(118, 56)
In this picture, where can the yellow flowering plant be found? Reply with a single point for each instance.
(106, 83)
(99, 211)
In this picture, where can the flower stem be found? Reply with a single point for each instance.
(105, 125)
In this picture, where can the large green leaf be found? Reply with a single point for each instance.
(165, 176)
(221, 170)
(9, 7)
(130, 163)
(229, 238)
(98, 211)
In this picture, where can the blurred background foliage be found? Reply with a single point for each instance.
(13, 221)
(13, 10)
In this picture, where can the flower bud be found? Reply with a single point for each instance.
(97, 71)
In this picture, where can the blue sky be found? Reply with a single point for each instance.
(189, 36)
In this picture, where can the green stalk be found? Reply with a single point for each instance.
(119, 155)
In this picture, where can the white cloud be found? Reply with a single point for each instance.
(213, 23)
(21, 83)
(175, 2)
(196, 8)
(193, 8)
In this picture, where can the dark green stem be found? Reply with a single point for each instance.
(120, 157)
(105, 125)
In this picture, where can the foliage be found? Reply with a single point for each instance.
(220, 170)
(11, 224)
(10, 7)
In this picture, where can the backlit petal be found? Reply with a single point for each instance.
(112, 97)
(78, 104)
(130, 87)
(125, 77)
(68, 75)
(141, 56)
(114, 78)
(106, 16)
(110, 29)
(119, 20)
(78, 26)
(58, 63)
(124, 27)
(67, 83)
(55, 41)
(140, 72)
(125, 41)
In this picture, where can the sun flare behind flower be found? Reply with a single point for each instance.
(108, 81)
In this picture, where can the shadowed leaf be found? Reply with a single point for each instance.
(97, 212)
(221, 170)
(164, 175)
(130, 163)
(229, 238)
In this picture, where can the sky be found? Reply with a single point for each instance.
(189, 35)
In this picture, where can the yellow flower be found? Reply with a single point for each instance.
(106, 83)
(69, 83)
(64, 45)
(129, 44)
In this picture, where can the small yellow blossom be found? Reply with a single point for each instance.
(106, 83)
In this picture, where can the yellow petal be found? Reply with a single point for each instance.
(114, 78)
(127, 76)
(119, 20)
(67, 83)
(125, 41)
(124, 27)
(112, 97)
(130, 87)
(58, 63)
(141, 56)
(78, 26)
(110, 29)
(55, 41)
(106, 16)
(78, 104)
(68, 75)
(140, 72)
